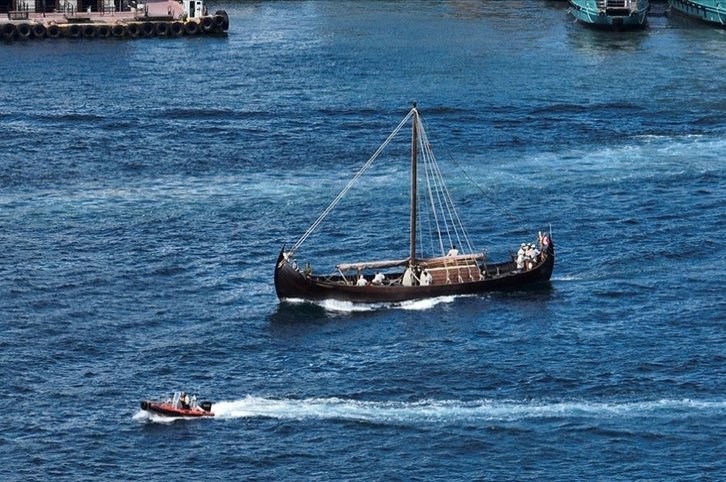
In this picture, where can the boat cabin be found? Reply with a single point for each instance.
(195, 8)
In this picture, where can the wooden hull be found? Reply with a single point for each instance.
(290, 283)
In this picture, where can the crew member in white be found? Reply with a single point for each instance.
(426, 278)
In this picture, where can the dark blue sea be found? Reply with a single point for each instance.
(147, 186)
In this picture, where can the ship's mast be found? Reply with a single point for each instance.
(414, 142)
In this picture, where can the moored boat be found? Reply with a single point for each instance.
(611, 14)
(36, 20)
(429, 271)
(179, 405)
(710, 11)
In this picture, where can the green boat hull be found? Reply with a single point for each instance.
(709, 11)
(611, 15)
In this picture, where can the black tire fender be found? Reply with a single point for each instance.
(89, 31)
(191, 28)
(162, 29)
(24, 31)
(53, 31)
(104, 31)
(176, 29)
(148, 29)
(218, 23)
(73, 31)
(39, 30)
(133, 30)
(118, 30)
(207, 24)
(225, 18)
(10, 31)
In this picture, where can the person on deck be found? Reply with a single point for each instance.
(361, 281)
(378, 278)
(453, 251)
(520, 259)
(426, 278)
(408, 277)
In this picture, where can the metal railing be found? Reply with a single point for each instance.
(20, 12)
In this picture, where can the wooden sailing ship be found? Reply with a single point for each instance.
(416, 276)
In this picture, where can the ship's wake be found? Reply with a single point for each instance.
(350, 307)
(450, 411)
(144, 416)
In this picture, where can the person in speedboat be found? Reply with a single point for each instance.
(184, 401)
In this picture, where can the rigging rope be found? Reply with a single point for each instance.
(429, 180)
(438, 193)
(454, 214)
(446, 205)
(349, 185)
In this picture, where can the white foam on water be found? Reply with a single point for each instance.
(662, 153)
(144, 416)
(346, 306)
(446, 411)
(568, 277)
(350, 307)
(427, 303)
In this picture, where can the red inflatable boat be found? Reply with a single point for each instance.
(179, 405)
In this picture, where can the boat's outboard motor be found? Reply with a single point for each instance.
(144, 404)
(206, 406)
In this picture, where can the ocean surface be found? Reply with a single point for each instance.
(147, 186)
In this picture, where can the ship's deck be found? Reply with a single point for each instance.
(153, 9)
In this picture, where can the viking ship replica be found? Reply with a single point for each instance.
(449, 272)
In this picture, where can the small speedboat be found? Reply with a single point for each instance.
(178, 405)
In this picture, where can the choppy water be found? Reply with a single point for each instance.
(147, 186)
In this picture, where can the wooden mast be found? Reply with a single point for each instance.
(414, 141)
